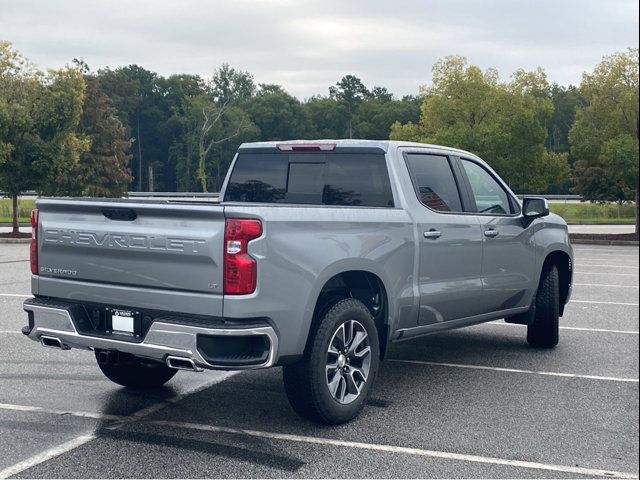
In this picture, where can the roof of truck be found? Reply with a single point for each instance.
(385, 145)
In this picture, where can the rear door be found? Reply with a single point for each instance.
(508, 265)
(450, 261)
(159, 247)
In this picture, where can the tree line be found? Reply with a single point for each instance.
(73, 131)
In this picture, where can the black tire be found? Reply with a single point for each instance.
(133, 372)
(307, 382)
(544, 332)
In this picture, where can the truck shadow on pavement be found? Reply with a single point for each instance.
(256, 400)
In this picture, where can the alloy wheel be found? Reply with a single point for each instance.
(348, 361)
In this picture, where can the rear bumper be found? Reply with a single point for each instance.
(53, 323)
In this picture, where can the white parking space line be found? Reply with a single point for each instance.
(606, 256)
(395, 449)
(602, 330)
(603, 259)
(82, 439)
(516, 370)
(10, 331)
(19, 295)
(30, 408)
(604, 303)
(580, 329)
(46, 455)
(604, 266)
(608, 273)
(604, 285)
(618, 253)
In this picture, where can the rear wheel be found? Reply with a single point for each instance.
(331, 383)
(544, 332)
(132, 371)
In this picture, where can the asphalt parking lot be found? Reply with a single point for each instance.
(475, 402)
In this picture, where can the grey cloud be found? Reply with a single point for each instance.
(308, 45)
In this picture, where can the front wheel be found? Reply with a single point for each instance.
(544, 332)
(134, 372)
(331, 383)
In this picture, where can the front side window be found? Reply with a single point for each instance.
(344, 179)
(489, 195)
(434, 182)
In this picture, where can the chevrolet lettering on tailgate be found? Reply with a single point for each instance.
(122, 240)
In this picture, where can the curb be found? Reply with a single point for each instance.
(618, 243)
(15, 240)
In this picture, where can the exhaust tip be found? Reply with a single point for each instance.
(52, 342)
(182, 363)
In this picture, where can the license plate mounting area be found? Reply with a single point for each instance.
(123, 322)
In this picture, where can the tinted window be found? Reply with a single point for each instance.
(258, 178)
(352, 179)
(434, 182)
(489, 195)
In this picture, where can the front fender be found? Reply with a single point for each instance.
(552, 236)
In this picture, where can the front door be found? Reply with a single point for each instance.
(450, 263)
(509, 263)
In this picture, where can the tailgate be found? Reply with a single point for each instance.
(150, 245)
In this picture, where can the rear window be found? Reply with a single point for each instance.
(348, 179)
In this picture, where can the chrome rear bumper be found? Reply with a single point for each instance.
(164, 342)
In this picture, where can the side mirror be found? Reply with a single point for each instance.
(534, 207)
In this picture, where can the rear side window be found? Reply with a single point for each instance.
(434, 182)
(346, 179)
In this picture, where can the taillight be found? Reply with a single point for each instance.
(240, 269)
(33, 248)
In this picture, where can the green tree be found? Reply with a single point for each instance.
(230, 85)
(604, 137)
(503, 122)
(278, 115)
(329, 118)
(174, 92)
(381, 94)
(102, 170)
(207, 128)
(350, 91)
(39, 114)
(375, 117)
(566, 102)
(218, 118)
(137, 97)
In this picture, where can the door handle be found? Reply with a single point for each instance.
(492, 232)
(432, 234)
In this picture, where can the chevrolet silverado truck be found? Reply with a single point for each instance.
(316, 258)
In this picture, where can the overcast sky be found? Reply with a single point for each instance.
(308, 45)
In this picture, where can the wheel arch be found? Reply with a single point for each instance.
(362, 283)
(563, 261)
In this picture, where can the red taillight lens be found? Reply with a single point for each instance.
(33, 248)
(240, 269)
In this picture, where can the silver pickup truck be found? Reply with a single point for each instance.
(317, 257)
